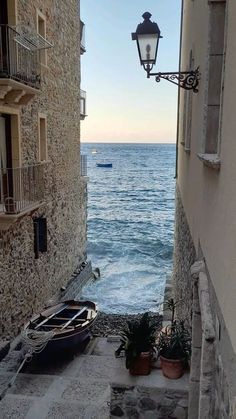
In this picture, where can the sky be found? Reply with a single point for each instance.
(122, 104)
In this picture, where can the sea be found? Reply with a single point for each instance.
(130, 224)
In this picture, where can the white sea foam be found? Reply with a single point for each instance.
(130, 224)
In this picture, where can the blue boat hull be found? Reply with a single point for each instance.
(69, 338)
(104, 164)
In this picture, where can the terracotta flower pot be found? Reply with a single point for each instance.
(142, 365)
(172, 368)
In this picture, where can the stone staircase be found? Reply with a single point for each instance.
(76, 389)
(89, 386)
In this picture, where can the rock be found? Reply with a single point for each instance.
(130, 400)
(183, 403)
(132, 413)
(113, 324)
(113, 338)
(167, 402)
(147, 404)
(179, 413)
(117, 411)
(150, 415)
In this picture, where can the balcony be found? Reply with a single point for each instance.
(19, 66)
(82, 38)
(83, 165)
(82, 104)
(21, 193)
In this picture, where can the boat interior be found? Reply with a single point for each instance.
(64, 317)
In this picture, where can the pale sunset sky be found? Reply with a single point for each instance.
(122, 104)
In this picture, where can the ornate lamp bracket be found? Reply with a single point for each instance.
(188, 80)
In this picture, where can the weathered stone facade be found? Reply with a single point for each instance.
(184, 256)
(142, 402)
(206, 174)
(213, 362)
(27, 283)
(212, 378)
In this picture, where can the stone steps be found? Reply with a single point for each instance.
(84, 387)
(79, 390)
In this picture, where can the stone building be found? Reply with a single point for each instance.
(43, 191)
(205, 236)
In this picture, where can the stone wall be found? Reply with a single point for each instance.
(224, 376)
(27, 283)
(134, 402)
(213, 364)
(184, 256)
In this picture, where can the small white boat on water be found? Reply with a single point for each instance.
(94, 151)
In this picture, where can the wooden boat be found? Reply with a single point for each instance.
(103, 164)
(70, 322)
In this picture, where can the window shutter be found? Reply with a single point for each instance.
(40, 236)
(42, 223)
(36, 239)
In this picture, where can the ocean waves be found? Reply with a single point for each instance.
(130, 225)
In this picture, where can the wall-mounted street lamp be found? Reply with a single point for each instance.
(147, 36)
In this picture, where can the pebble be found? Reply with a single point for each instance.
(113, 324)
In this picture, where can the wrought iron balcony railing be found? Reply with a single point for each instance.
(83, 165)
(21, 188)
(82, 104)
(82, 37)
(17, 61)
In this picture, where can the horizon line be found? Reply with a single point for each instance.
(125, 142)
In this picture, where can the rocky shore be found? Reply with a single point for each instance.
(112, 324)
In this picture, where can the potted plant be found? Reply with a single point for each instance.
(138, 340)
(174, 347)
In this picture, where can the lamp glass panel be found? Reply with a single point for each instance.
(147, 45)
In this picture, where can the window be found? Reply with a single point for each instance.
(215, 77)
(187, 112)
(42, 138)
(12, 12)
(41, 29)
(40, 236)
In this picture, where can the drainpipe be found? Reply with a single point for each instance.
(180, 55)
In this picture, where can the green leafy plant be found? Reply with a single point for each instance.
(174, 341)
(138, 336)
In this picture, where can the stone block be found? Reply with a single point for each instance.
(117, 412)
(88, 390)
(113, 338)
(195, 364)
(132, 413)
(193, 402)
(183, 403)
(233, 408)
(4, 348)
(180, 413)
(197, 267)
(196, 331)
(204, 407)
(15, 408)
(207, 358)
(147, 404)
(102, 412)
(131, 399)
(149, 415)
(31, 385)
(66, 411)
